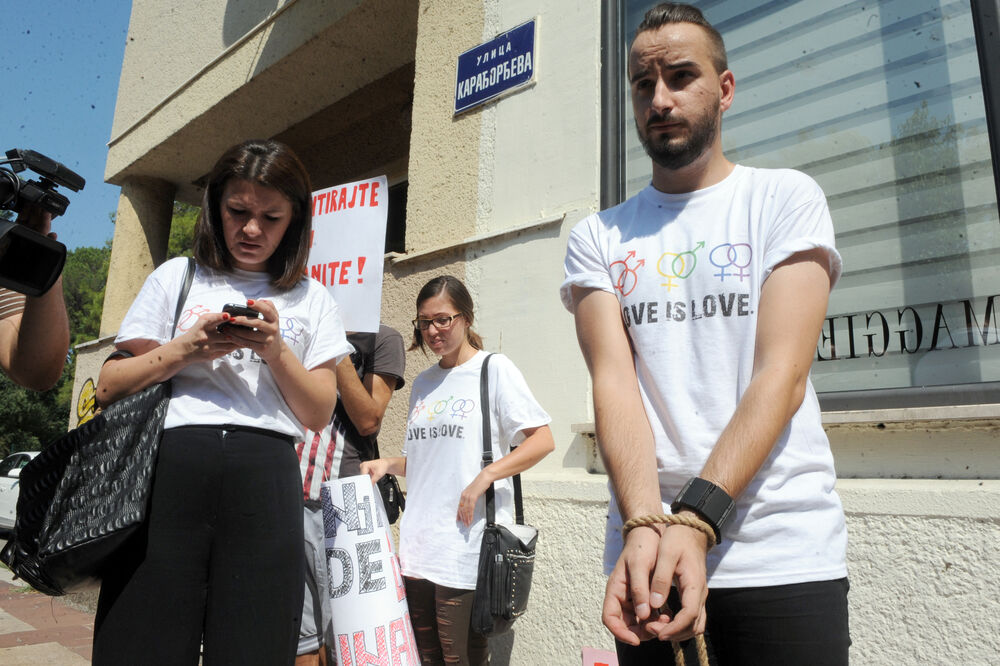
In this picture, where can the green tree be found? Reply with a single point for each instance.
(84, 277)
(181, 241)
(29, 419)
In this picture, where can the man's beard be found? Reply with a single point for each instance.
(681, 153)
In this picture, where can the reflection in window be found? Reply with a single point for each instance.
(881, 103)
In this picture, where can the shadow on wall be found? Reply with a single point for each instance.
(500, 649)
(242, 15)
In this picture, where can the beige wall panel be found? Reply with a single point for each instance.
(547, 138)
(163, 52)
(444, 158)
(924, 571)
(142, 227)
(307, 59)
(90, 357)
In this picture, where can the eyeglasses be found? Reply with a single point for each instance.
(439, 322)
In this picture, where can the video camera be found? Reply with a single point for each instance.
(31, 262)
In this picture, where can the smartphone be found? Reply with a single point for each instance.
(236, 310)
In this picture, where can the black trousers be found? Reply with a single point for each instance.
(219, 560)
(803, 623)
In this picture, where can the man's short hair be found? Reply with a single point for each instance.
(676, 12)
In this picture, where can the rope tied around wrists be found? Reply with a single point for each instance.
(671, 519)
(687, 521)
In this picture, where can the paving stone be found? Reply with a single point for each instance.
(37, 629)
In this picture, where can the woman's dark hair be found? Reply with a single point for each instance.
(271, 164)
(456, 292)
(676, 12)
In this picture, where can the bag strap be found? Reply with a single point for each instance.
(484, 407)
(185, 288)
(188, 279)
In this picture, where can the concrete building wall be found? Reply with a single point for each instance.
(492, 196)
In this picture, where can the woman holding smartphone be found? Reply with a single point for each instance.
(442, 527)
(219, 561)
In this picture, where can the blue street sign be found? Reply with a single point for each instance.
(503, 64)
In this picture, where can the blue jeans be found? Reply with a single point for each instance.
(803, 623)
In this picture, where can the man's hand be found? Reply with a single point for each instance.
(626, 597)
(37, 219)
(681, 559)
(639, 585)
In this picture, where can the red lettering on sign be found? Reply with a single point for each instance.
(318, 199)
(345, 649)
(362, 657)
(373, 198)
(409, 632)
(398, 578)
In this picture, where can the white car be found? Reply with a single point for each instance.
(10, 470)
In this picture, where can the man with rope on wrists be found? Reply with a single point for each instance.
(723, 518)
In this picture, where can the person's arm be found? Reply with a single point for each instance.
(790, 315)
(627, 449)
(311, 394)
(34, 343)
(537, 444)
(379, 467)
(152, 362)
(366, 401)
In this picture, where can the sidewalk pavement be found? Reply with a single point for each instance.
(38, 630)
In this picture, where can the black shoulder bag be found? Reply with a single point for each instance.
(88, 491)
(507, 553)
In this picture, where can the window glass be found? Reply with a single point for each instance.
(881, 103)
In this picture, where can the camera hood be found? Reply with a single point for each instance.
(30, 263)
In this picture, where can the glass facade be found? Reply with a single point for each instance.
(882, 103)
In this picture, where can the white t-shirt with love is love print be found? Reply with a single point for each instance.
(444, 453)
(237, 389)
(687, 270)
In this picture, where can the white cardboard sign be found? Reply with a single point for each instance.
(370, 617)
(348, 248)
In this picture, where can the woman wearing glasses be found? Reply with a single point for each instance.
(443, 523)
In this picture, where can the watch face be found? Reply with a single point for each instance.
(706, 499)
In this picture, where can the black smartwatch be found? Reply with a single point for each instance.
(709, 501)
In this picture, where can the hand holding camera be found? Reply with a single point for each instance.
(30, 258)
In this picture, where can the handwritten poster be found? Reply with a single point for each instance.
(370, 617)
(347, 248)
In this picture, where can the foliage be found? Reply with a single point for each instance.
(181, 240)
(28, 420)
(84, 276)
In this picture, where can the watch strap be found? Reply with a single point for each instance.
(709, 501)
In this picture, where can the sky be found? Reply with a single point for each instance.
(58, 85)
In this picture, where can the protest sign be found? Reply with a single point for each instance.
(370, 617)
(347, 248)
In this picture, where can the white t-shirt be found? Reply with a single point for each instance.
(444, 453)
(687, 270)
(237, 389)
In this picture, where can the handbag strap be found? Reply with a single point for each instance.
(484, 407)
(185, 288)
(188, 279)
